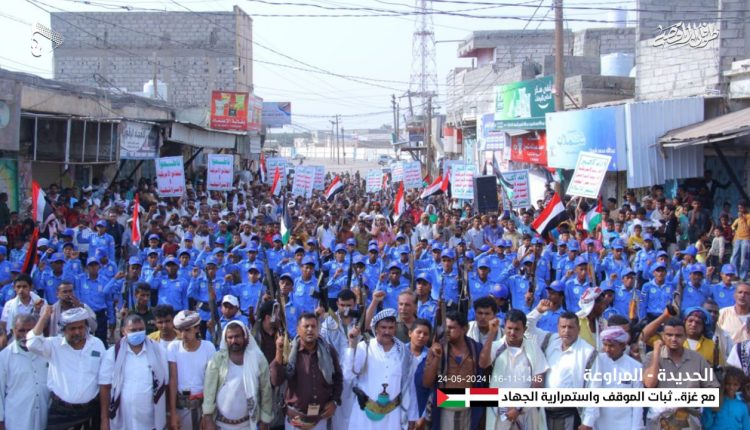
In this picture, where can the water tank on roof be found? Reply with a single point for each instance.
(617, 64)
(161, 90)
(617, 18)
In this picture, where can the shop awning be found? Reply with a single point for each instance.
(717, 129)
(194, 135)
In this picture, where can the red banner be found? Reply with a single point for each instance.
(229, 110)
(529, 148)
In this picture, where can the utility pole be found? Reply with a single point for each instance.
(333, 133)
(559, 69)
(395, 118)
(427, 136)
(155, 96)
(338, 152)
(343, 143)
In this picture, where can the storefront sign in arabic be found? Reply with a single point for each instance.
(138, 141)
(523, 105)
(692, 34)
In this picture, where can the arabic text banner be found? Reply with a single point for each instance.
(170, 176)
(220, 172)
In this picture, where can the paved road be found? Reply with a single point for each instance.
(331, 165)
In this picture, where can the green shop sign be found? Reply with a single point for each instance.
(523, 105)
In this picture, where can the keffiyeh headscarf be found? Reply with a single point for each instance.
(615, 334)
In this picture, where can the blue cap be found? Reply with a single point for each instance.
(132, 261)
(437, 247)
(696, 268)
(252, 247)
(351, 242)
(537, 241)
(728, 269)
(308, 260)
(626, 271)
(483, 262)
(152, 251)
(394, 265)
(588, 241)
(340, 248)
(220, 240)
(212, 260)
(15, 267)
(171, 260)
(277, 238)
(662, 253)
(556, 286)
(286, 275)
(448, 253)
(101, 223)
(92, 260)
(573, 246)
(360, 259)
(312, 241)
(435, 242)
(424, 276)
(404, 249)
(57, 257)
(3, 250)
(580, 261)
(255, 237)
(372, 242)
(499, 243)
(607, 286)
(153, 236)
(562, 243)
(218, 251)
(400, 236)
(648, 237)
(618, 244)
(68, 232)
(658, 266)
(372, 248)
(183, 251)
(188, 236)
(255, 266)
(499, 291)
(529, 259)
(99, 253)
(297, 249)
(690, 250)
(484, 248)
(470, 255)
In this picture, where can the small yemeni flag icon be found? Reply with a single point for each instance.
(135, 232)
(467, 397)
(276, 187)
(38, 202)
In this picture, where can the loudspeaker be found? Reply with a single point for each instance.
(485, 194)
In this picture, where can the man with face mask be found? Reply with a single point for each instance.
(23, 381)
(237, 391)
(133, 380)
(74, 362)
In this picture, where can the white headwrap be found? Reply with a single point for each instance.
(250, 368)
(73, 315)
(616, 334)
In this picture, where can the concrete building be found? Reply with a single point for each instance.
(192, 52)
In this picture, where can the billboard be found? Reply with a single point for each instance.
(277, 114)
(529, 148)
(138, 141)
(229, 110)
(523, 105)
(255, 113)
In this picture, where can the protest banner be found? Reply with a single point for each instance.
(271, 164)
(519, 179)
(374, 181)
(320, 178)
(170, 177)
(220, 172)
(397, 171)
(589, 175)
(304, 177)
(412, 175)
(462, 181)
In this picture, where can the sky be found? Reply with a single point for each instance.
(375, 50)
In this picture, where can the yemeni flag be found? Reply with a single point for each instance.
(440, 186)
(335, 187)
(276, 187)
(467, 397)
(262, 168)
(285, 228)
(38, 202)
(385, 182)
(554, 214)
(594, 216)
(135, 229)
(398, 205)
(31, 253)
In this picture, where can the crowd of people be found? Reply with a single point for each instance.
(245, 309)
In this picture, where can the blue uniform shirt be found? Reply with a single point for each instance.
(302, 292)
(173, 292)
(573, 292)
(248, 294)
(392, 292)
(93, 292)
(723, 295)
(198, 291)
(656, 297)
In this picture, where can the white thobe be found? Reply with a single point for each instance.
(614, 418)
(567, 367)
(333, 332)
(136, 393)
(515, 368)
(231, 400)
(24, 397)
(383, 367)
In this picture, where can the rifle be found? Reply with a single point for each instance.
(351, 268)
(677, 296)
(281, 304)
(635, 302)
(322, 292)
(464, 299)
(438, 319)
(411, 269)
(216, 335)
(532, 282)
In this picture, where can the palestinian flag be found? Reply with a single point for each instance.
(335, 187)
(262, 168)
(285, 228)
(554, 213)
(398, 204)
(31, 253)
(38, 202)
(506, 186)
(593, 217)
(135, 229)
(276, 187)
(440, 186)
(467, 397)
